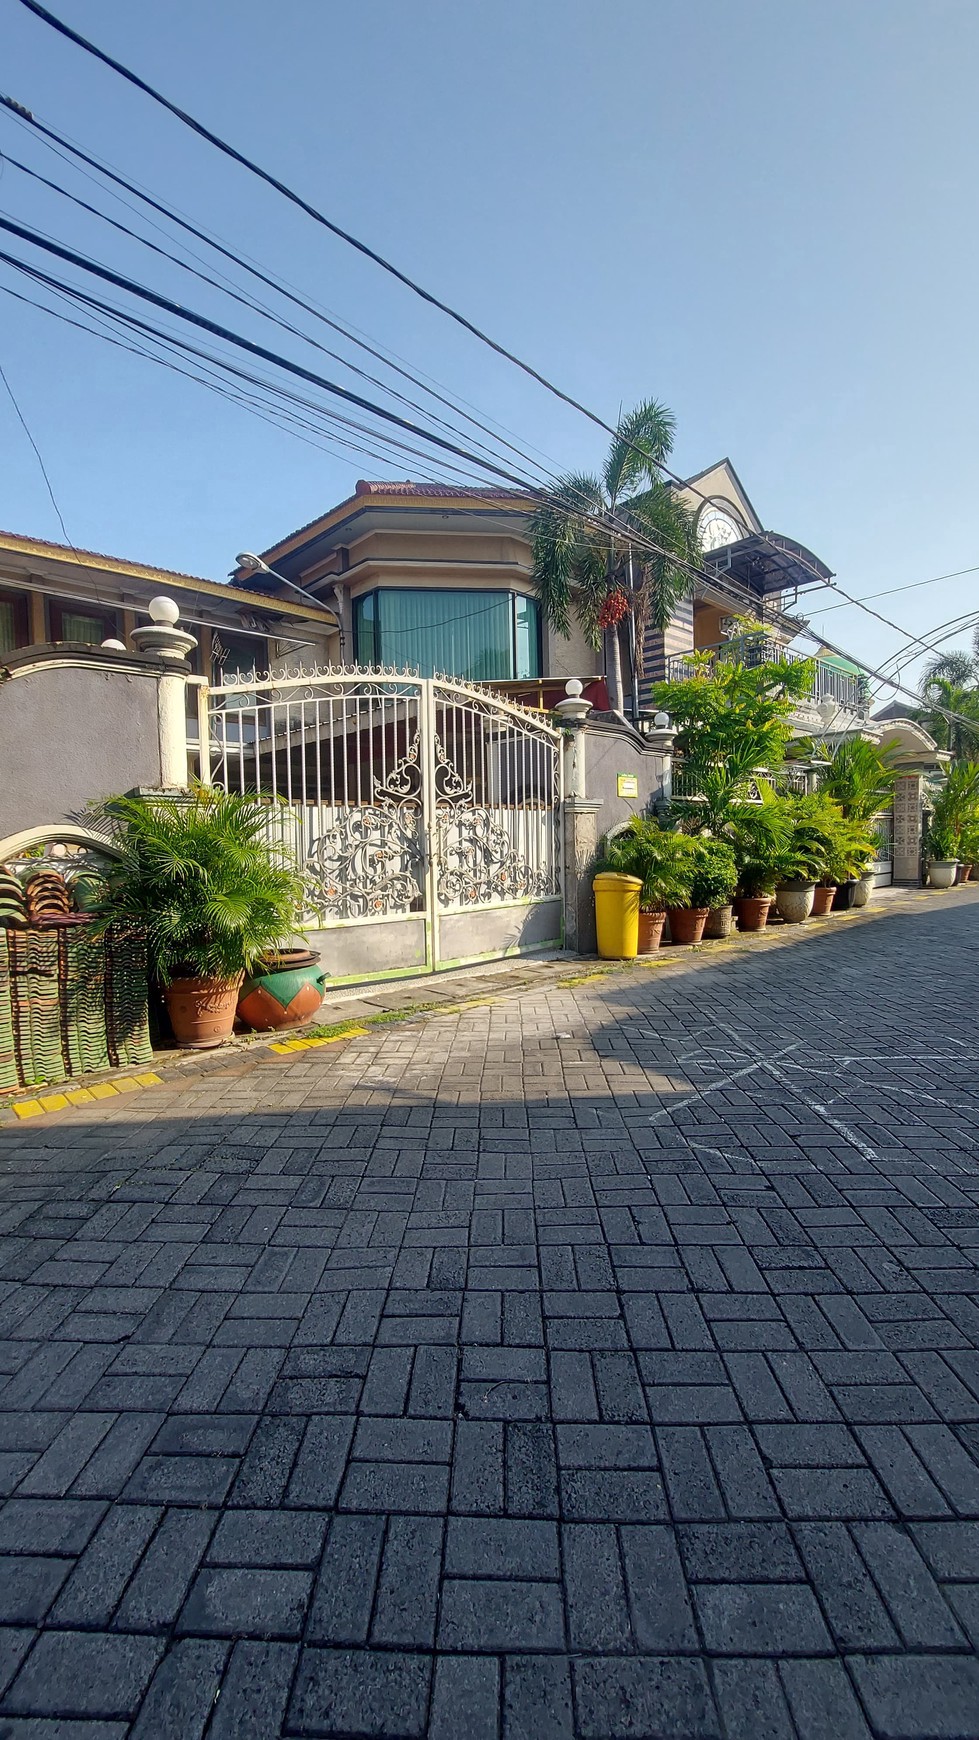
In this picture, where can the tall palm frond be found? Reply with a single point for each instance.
(582, 549)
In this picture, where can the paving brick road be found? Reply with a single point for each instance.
(601, 1363)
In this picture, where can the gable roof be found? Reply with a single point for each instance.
(18, 544)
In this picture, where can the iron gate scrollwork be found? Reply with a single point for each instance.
(401, 796)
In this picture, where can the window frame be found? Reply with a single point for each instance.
(59, 608)
(22, 618)
(376, 627)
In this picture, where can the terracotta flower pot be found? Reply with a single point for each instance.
(720, 923)
(965, 871)
(751, 911)
(822, 900)
(285, 992)
(794, 901)
(651, 926)
(687, 923)
(202, 1011)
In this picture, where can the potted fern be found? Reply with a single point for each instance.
(758, 835)
(713, 877)
(661, 860)
(212, 890)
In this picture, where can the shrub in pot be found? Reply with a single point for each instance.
(662, 862)
(758, 835)
(712, 882)
(942, 851)
(212, 893)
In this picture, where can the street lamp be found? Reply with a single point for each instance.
(255, 565)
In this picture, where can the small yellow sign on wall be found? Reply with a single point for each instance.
(627, 785)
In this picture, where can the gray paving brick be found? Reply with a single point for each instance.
(662, 1616)
(723, 1552)
(254, 1691)
(182, 1692)
(501, 1547)
(822, 1702)
(84, 1673)
(646, 1695)
(914, 1599)
(919, 1697)
(760, 1619)
(408, 1588)
(286, 1538)
(28, 1587)
(48, 1525)
(595, 1592)
(853, 1608)
(260, 1603)
(156, 1593)
(377, 1692)
(96, 1584)
(479, 1615)
(751, 1701)
(344, 1595)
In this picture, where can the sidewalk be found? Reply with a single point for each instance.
(347, 1011)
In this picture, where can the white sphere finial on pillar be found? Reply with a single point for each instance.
(164, 610)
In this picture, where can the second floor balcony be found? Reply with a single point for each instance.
(835, 689)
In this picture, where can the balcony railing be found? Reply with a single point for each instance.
(751, 650)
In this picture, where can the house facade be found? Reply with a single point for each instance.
(53, 596)
(439, 578)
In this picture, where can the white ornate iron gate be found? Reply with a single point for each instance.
(425, 813)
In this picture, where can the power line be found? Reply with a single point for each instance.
(889, 592)
(54, 140)
(37, 454)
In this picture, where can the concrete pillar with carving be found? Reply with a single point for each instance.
(163, 640)
(907, 828)
(581, 824)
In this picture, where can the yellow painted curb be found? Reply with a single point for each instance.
(84, 1096)
(284, 1046)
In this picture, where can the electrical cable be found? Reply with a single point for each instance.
(37, 454)
(370, 253)
(26, 117)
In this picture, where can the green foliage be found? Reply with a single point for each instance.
(730, 719)
(674, 869)
(661, 859)
(956, 810)
(578, 560)
(860, 777)
(202, 880)
(759, 835)
(826, 845)
(715, 873)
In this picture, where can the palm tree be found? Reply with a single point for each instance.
(591, 537)
(950, 684)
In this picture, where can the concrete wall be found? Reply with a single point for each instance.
(71, 732)
(609, 751)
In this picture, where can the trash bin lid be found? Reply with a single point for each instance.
(615, 879)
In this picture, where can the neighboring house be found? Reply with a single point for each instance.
(440, 577)
(53, 595)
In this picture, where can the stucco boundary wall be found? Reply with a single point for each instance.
(612, 774)
(74, 727)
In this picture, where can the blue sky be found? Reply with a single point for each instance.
(762, 214)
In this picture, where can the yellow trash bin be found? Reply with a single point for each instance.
(617, 915)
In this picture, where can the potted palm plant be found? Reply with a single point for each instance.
(213, 892)
(724, 872)
(661, 860)
(713, 877)
(942, 849)
(758, 835)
